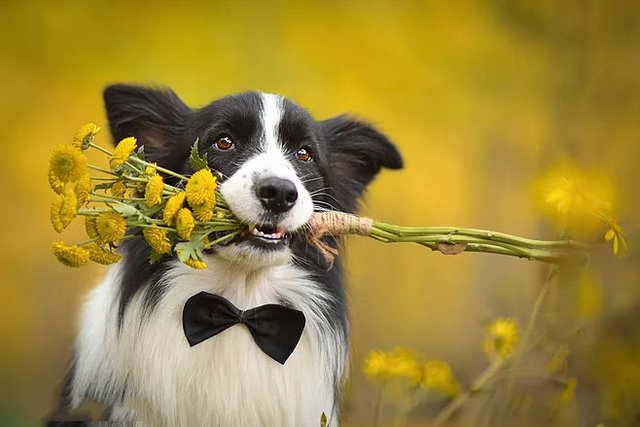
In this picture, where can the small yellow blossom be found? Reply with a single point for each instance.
(71, 256)
(67, 164)
(90, 226)
(201, 188)
(153, 190)
(501, 338)
(377, 364)
(174, 204)
(204, 211)
(84, 136)
(118, 189)
(100, 255)
(111, 227)
(196, 263)
(83, 188)
(439, 377)
(157, 239)
(616, 234)
(63, 210)
(122, 152)
(401, 363)
(150, 170)
(184, 223)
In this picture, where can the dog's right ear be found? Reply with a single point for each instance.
(154, 116)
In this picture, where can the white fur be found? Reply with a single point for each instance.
(224, 381)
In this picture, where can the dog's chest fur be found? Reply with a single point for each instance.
(148, 368)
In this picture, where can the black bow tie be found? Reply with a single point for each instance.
(276, 329)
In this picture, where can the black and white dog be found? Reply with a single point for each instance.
(279, 165)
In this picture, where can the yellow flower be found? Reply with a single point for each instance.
(184, 223)
(377, 365)
(100, 255)
(85, 135)
(401, 363)
(118, 189)
(157, 240)
(90, 226)
(501, 338)
(439, 377)
(204, 211)
(122, 152)
(174, 204)
(111, 227)
(83, 189)
(63, 210)
(67, 164)
(619, 237)
(150, 170)
(71, 256)
(196, 263)
(153, 190)
(201, 188)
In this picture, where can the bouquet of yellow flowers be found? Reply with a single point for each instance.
(130, 198)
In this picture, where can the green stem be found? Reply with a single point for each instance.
(99, 169)
(159, 168)
(99, 148)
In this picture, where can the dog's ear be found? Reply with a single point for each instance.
(154, 116)
(356, 152)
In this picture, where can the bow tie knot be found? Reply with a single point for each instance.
(276, 329)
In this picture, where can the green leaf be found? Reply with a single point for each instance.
(191, 249)
(197, 162)
(140, 152)
(125, 210)
(323, 420)
(155, 257)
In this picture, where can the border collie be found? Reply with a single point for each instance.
(278, 165)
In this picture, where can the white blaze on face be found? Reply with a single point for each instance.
(270, 161)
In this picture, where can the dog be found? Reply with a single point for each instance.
(277, 166)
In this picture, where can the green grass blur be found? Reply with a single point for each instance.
(480, 96)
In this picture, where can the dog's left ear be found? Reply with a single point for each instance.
(356, 153)
(155, 117)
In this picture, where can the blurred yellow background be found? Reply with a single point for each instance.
(480, 96)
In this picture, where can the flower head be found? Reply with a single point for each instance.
(204, 211)
(196, 263)
(63, 210)
(174, 204)
(90, 226)
(157, 239)
(616, 234)
(67, 164)
(201, 188)
(439, 377)
(111, 227)
(84, 135)
(100, 255)
(184, 223)
(122, 152)
(153, 190)
(401, 363)
(118, 189)
(501, 338)
(83, 188)
(71, 256)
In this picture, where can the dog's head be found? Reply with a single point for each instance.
(278, 163)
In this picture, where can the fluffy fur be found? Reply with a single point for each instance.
(131, 353)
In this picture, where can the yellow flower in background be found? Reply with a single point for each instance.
(204, 211)
(90, 226)
(122, 152)
(196, 263)
(100, 255)
(67, 164)
(401, 363)
(71, 256)
(84, 135)
(184, 223)
(157, 240)
(153, 190)
(501, 338)
(83, 188)
(111, 227)
(439, 378)
(118, 189)
(377, 365)
(63, 210)
(616, 234)
(174, 204)
(201, 188)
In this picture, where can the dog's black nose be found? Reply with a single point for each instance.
(276, 194)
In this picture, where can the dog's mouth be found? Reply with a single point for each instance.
(264, 236)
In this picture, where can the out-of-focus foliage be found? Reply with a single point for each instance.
(482, 98)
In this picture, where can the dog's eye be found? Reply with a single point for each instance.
(224, 143)
(303, 154)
